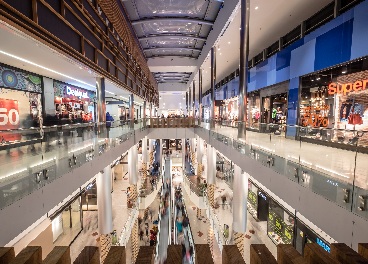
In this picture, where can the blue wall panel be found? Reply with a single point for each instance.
(292, 106)
(334, 47)
(359, 45)
(302, 59)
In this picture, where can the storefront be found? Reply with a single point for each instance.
(67, 221)
(254, 110)
(231, 109)
(252, 199)
(20, 101)
(73, 104)
(273, 101)
(338, 99)
(280, 224)
(305, 235)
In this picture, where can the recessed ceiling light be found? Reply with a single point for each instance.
(229, 42)
(256, 7)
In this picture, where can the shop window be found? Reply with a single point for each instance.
(280, 224)
(20, 102)
(67, 225)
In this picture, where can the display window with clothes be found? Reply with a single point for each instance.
(73, 104)
(273, 104)
(20, 102)
(336, 99)
(254, 110)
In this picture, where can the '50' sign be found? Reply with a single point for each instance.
(9, 114)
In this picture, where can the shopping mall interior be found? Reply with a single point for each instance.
(183, 131)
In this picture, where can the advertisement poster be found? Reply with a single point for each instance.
(9, 119)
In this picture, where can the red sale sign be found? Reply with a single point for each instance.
(9, 119)
(9, 114)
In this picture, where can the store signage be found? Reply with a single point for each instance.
(323, 244)
(316, 119)
(263, 196)
(75, 92)
(9, 114)
(347, 88)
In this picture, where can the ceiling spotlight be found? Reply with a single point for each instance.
(229, 42)
(344, 70)
(256, 7)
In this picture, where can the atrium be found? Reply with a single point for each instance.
(183, 131)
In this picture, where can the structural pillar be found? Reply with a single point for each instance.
(199, 156)
(144, 157)
(144, 113)
(133, 173)
(243, 71)
(190, 102)
(213, 84)
(104, 205)
(101, 107)
(240, 207)
(211, 175)
(200, 98)
(193, 150)
(183, 156)
(131, 111)
(186, 102)
(194, 99)
(151, 153)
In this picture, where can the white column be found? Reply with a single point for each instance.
(211, 172)
(104, 202)
(144, 150)
(193, 144)
(150, 145)
(240, 200)
(132, 165)
(183, 155)
(199, 149)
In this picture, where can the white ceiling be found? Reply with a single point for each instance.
(270, 21)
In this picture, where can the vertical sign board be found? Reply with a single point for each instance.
(9, 119)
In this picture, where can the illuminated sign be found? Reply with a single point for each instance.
(89, 186)
(9, 114)
(347, 88)
(323, 244)
(263, 196)
(75, 92)
(315, 119)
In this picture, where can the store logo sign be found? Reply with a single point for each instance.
(263, 196)
(76, 92)
(323, 244)
(347, 88)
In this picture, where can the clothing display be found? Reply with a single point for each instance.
(274, 111)
(352, 113)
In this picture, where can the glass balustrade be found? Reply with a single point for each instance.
(330, 162)
(31, 158)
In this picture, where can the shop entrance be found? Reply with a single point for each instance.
(274, 109)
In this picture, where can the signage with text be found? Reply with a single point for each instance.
(9, 119)
(74, 93)
(316, 119)
(347, 87)
(9, 114)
